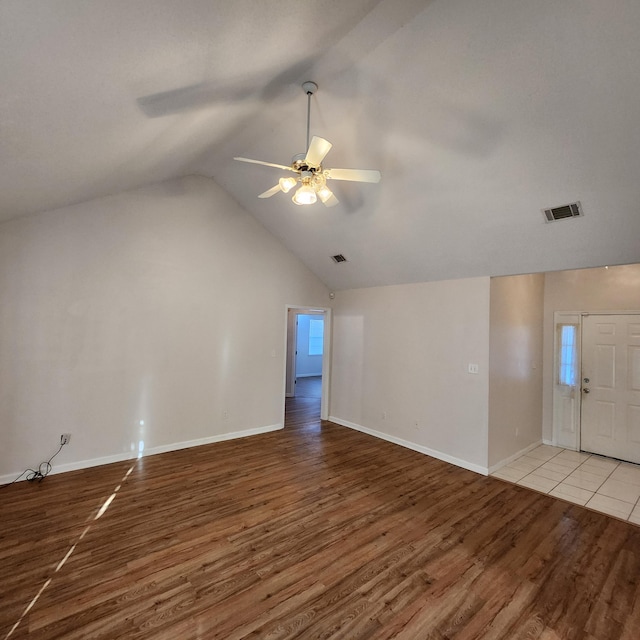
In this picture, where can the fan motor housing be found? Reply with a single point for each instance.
(298, 164)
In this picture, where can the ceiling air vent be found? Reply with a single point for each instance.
(572, 210)
(339, 258)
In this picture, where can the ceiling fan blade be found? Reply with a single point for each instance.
(270, 192)
(331, 201)
(318, 149)
(266, 164)
(354, 175)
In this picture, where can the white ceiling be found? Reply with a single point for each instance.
(478, 113)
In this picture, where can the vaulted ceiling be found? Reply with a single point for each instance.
(478, 113)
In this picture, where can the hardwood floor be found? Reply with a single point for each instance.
(315, 531)
(310, 387)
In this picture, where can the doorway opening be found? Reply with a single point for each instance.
(308, 340)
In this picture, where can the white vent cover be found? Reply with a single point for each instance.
(572, 210)
(339, 258)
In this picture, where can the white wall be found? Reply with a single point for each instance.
(603, 289)
(515, 365)
(400, 357)
(306, 365)
(141, 307)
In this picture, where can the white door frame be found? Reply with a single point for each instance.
(291, 354)
(557, 319)
(326, 356)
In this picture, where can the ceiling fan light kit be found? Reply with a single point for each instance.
(306, 194)
(311, 175)
(286, 184)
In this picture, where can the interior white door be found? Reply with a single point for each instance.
(610, 422)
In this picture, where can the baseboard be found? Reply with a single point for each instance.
(309, 375)
(433, 453)
(130, 455)
(233, 435)
(503, 463)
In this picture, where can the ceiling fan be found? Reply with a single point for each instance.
(310, 173)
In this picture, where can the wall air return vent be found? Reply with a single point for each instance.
(339, 258)
(572, 210)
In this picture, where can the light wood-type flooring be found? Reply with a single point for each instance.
(315, 531)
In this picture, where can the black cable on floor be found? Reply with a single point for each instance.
(44, 469)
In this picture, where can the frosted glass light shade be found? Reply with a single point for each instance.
(305, 195)
(324, 193)
(286, 184)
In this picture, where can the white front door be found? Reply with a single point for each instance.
(610, 422)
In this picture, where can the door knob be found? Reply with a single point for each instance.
(585, 390)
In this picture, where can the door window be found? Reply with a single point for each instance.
(567, 354)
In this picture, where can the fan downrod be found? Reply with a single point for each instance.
(309, 88)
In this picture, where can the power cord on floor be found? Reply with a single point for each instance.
(44, 469)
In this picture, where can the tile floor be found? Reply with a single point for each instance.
(598, 483)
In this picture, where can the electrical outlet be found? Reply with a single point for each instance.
(64, 439)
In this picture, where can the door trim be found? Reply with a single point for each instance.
(557, 315)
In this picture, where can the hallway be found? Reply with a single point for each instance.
(303, 410)
(310, 387)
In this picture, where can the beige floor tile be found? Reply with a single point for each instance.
(576, 478)
(550, 447)
(538, 483)
(602, 463)
(525, 464)
(574, 456)
(627, 473)
(610, 506)
(550, 474)
(620, 490)
(560, 468)
(585, 480)
(544, 452)
(512, 475)
(571, 493)
(596, 471)
(566, 462)
(531, 460)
